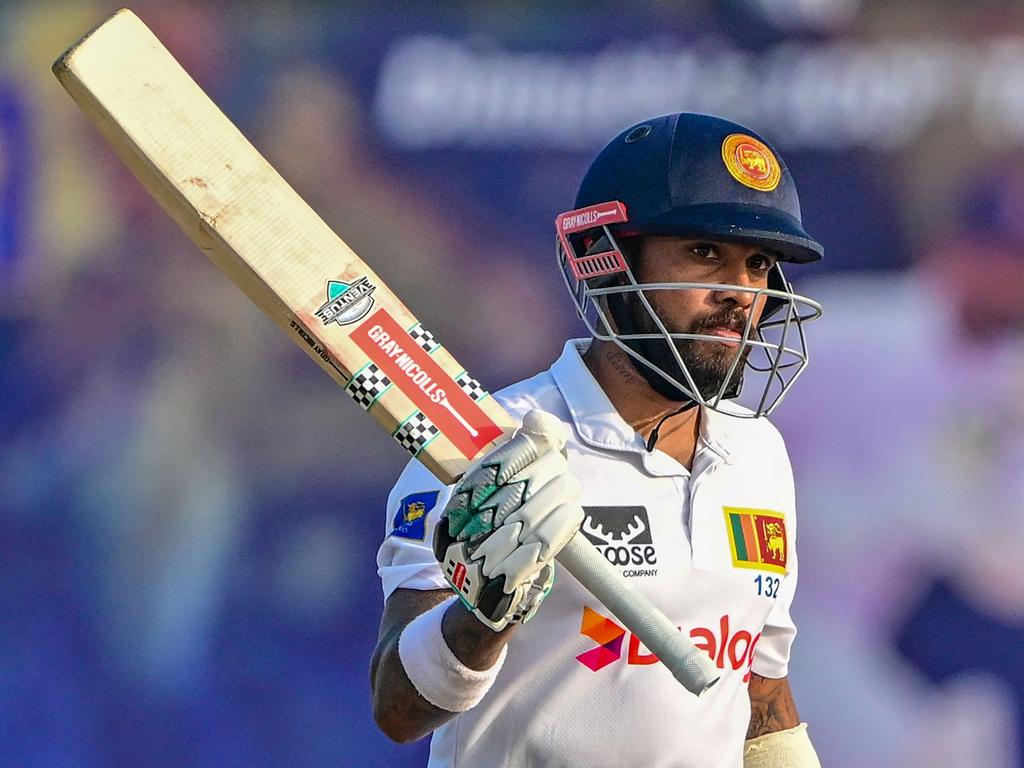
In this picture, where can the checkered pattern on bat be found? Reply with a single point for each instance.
(471, 386)
(415, 433)
(367, 385)
(424, 338)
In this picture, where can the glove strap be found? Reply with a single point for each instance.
(484, 597)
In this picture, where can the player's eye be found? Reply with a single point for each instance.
(704, 251)
(760, 262)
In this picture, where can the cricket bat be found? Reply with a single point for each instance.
(228, 199)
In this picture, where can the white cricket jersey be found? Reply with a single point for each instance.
(713, 548)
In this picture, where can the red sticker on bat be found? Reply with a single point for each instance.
(426, 383)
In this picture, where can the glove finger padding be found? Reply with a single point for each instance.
(562, 489)
(539, 540)
(531, 480)
(505, 522)
(496, 547)
(556, 530)
(498, 484)
(533, 533)
(521, 567)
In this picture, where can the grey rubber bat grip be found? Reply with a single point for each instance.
(691, 666)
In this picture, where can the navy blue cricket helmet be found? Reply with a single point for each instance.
(693, 176)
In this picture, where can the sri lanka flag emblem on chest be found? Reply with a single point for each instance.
(757, 538)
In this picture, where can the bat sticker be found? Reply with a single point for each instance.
(347, 303)
(427, 384)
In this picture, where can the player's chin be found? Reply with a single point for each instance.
(711, 367)
(714, 355)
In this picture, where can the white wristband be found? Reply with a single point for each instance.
(435, 671)
(783, 749)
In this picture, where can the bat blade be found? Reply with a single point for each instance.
(249, 221)
(229, 200)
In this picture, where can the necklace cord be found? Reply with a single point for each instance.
(652, 439)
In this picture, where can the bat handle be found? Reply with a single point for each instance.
(691, 666)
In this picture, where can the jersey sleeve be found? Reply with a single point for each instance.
(405, 558)
(771, 655)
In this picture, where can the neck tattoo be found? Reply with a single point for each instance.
(621, 364)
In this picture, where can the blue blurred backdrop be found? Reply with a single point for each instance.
(189, 510)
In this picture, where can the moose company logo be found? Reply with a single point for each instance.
(623, 536)
(726, 648)
(347, 303)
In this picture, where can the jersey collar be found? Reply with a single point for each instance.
(599, 424)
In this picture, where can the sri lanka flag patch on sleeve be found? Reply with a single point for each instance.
(757, 538)
(411, 518)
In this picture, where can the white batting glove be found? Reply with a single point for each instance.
(507, 519)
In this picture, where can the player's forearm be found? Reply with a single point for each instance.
(776, 737)
(399, 709)
(772, 708)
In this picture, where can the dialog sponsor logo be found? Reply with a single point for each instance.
(727, 648)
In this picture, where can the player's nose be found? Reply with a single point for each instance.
(736, 286)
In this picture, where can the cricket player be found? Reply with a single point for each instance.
(673, 256)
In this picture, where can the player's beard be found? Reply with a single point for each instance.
(707, 361)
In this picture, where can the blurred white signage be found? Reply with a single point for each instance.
(436, 91)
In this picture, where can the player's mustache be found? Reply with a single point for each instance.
(733, 319)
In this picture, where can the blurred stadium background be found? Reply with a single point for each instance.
(189, 510)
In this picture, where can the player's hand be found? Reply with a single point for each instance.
(507, 519)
